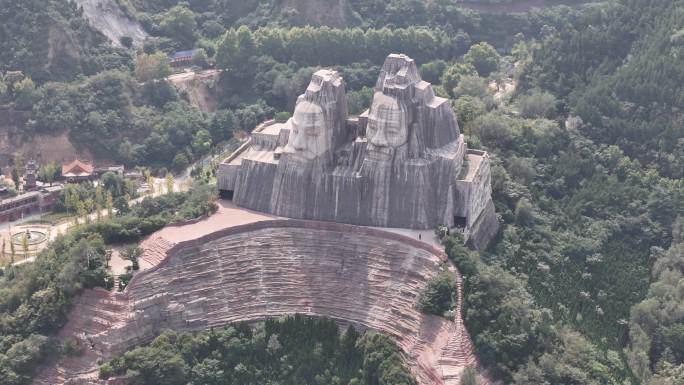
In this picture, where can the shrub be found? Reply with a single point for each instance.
(438, 297)
(126, 41)
(180, 162)
(124, 279)
(469, 376)
(200, 58)
(537, 104)
(282, 116)
(71, 347)
(132, 253)
(105, 371)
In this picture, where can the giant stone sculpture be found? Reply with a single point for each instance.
(402, 163)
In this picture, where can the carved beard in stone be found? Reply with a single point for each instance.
(387, 128)
(309, 137)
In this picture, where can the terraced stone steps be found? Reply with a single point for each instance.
(342, 272)
(154, 250)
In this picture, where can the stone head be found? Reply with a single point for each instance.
(309, 135)
(398, 72)
(387, 127)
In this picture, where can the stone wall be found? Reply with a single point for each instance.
(357, 275)
(396, 165)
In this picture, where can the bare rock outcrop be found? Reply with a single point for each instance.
(333, 13)
(396, 165)
(52, 147)
(108, 17)
(367, 277)
(199, 88)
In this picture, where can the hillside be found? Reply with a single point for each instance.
(107, 17)
(632, 97)
(50, 40)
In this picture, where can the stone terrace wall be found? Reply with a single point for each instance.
(358, 275)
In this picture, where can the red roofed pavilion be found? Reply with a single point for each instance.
(77, 171)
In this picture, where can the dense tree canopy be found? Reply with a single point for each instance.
(290, 351)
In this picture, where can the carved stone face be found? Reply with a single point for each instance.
(309, 137)
(387, 127)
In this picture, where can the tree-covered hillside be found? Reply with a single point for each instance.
(621, 69)
(50, 40)
(289, 351)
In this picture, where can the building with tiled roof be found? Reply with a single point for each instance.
(77, 171)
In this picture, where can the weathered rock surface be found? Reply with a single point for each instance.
(396, 165)
(333, 13)
(108, 17)
(53, 147)
(199, 88)
(357, 275)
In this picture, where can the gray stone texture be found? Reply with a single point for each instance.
(396, 165)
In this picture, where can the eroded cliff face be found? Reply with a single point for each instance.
(199, 88)
(41, 147)
(357, 275)
(108, 17)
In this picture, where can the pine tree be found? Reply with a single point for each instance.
(25, 245)
(99, 196)
(109, 204)
(169, 183)
(98, 212)
(13, 253)
(150, 182)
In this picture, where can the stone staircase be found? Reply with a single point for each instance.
(97, 311)
(154, 250)
(458, 353)
(364, 279)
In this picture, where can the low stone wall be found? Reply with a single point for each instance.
(187, 222)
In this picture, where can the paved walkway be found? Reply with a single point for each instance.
(228, 215)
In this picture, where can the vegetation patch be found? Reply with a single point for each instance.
(35, 297)
(292, 350)
(439, 295)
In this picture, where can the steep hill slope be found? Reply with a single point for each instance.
(622, 71)
(107, 17)
(50, 40)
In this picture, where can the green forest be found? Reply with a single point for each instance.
(583, 284)
(289, 351)
(35, 297)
